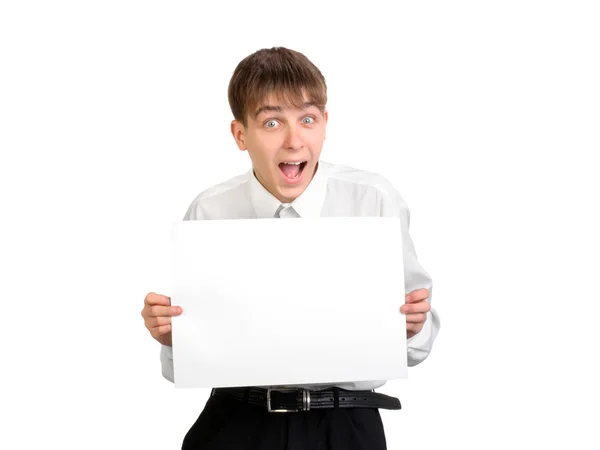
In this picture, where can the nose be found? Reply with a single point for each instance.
(293, 138)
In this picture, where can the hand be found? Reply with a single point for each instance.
(416, 309)
(157, 314)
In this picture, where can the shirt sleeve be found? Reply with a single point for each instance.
(166, 361)
(415, 277)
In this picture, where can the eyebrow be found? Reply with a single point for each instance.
(264, 108)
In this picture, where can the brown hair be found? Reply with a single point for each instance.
(285, 73)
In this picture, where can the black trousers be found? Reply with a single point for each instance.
(229, 424)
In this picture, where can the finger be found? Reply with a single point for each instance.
(155, 322)
(158, 311)
(157, 299)
(159, 331)
(414, 328)
(420, 307)
(416, 318)
(417, 296)
(162, 321)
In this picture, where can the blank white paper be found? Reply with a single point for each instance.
(288, 301)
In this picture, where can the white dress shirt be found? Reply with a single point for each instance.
(335, 190)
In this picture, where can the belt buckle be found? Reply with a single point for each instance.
(305, 400)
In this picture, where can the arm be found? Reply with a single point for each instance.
(415, 277)
(166, 351)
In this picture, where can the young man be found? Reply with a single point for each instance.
(278, 100)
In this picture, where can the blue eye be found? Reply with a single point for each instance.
(273, 122)
(308, 120)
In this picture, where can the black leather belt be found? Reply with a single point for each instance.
(297, 399)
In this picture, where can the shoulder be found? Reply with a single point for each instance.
(217, 198)
(366, 181)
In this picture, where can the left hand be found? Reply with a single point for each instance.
(416, 309)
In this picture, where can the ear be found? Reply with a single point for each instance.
(326, 117)
(239, 134)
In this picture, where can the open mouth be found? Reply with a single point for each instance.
(292, 169)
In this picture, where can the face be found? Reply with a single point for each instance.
(284, 146)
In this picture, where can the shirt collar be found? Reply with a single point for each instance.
(308, 204)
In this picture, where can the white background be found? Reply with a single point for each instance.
(484, 115)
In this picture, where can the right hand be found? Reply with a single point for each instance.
(157, 315)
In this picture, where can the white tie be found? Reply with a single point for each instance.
(286, 211)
